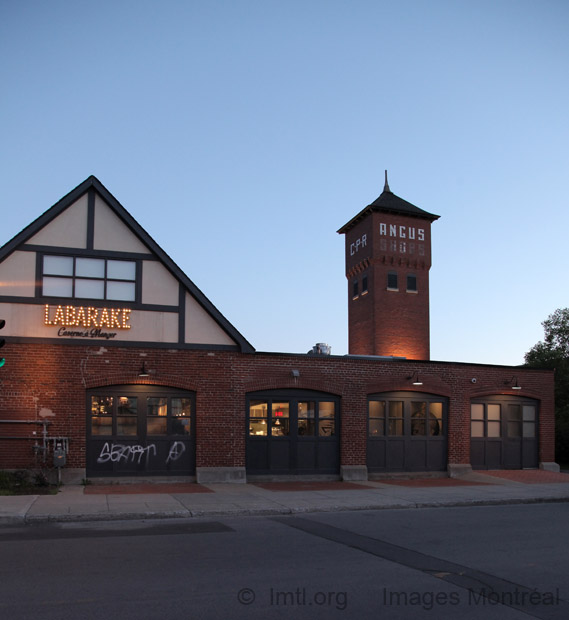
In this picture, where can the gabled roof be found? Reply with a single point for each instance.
(145, 238)
(388, 202)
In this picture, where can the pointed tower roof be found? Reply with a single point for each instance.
(388, 202)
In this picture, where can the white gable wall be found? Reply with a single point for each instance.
(68, 229)
(18, 275)
(111, 233)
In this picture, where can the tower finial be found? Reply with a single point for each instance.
(386, 186)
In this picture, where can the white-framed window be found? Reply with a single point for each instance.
(88, 278)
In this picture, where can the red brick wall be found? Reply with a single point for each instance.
(51, 381)
(385, 322)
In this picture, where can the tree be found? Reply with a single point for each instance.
(553, 353)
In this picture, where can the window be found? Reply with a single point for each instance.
(411, 283)
(88, 278)
(284, 418)
(399, 418)
(392, 281)
(364, 285)
(355, 289)
(485, 420)
(120, 413)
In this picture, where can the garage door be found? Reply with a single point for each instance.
(407, 431)
(137, 429)
(293, 432)
(504, 433)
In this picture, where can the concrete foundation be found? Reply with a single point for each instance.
(212, 475)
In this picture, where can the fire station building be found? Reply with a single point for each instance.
(118, 362)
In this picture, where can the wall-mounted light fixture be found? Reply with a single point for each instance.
(295, 373)
(514, 383)
(414, 378)
(143, 372)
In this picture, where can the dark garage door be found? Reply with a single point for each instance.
(407, 431)
(140, 430)
(292, 432)
(504, 433)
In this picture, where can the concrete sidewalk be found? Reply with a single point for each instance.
(156, 500)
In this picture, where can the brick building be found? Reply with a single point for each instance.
(115, 357)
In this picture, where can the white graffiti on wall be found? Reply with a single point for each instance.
(176, 450)
(123, 453)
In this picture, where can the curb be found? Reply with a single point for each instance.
(262, 512)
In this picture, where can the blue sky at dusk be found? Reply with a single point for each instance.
(243, 134)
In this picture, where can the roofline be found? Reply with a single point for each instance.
(92, 182)
(371, 208)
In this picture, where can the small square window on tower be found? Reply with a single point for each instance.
(412, 283)
(392, 284)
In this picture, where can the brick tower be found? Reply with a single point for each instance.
(388, 257)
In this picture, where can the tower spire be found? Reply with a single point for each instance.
(386, 186)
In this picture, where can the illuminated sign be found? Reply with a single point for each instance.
(87, 317)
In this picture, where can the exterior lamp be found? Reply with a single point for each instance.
(415, 379)
(143, 372)
(516, 385)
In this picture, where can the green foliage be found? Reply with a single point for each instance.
(553, 353)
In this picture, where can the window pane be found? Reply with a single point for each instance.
(392, 280)
(157, 406)
(514, 412)
(280, 419)
(376, 427)
(182, 407)
(58, 265)
(306, 428)
(257, 427)
(529, 412)
(396, 409)
(156, 426)
(121, 291)
(326, 410)
(127, 425)
(494, 429)
(181, 412)
(376, 409)
(411, 283)
(418, 410)
(364, 284)
(121, 270)
(101, 425)
(529, 429)
(435, 419)
(493, 412)
(102, 405)
(257, 409)
(476, 412)
(418, 427)
(396, 427)
(92, 289)
(327, 427)
(280, 410)
(90, 267)
(514, 429)
(57, 287)
(477, 429)
(127, 405)
(306, 410)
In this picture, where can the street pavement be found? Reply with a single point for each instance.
(158, 500)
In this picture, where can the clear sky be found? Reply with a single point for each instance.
(242, 134)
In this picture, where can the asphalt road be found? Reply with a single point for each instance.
(507, 562)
